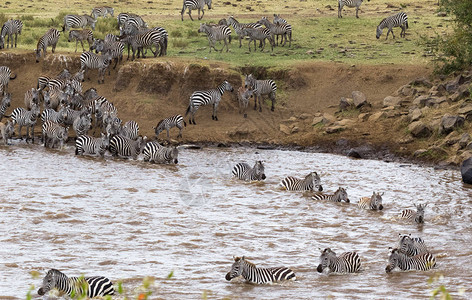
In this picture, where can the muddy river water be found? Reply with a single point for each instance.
(128, 220)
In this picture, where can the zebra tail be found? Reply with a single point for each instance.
(406, 24)
(188, 110)
(230, 38)
(12, 78)
(185, 124)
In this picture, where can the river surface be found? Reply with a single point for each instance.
(128, 220)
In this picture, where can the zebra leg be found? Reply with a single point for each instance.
(16, 38)
(255, 102)
(272, 97)
(260, 103)
(180, 131)
(357, 12)
(190, 13)
(82, 43)
(182, 12)
(214, 116)
(53, 48)
(19, 131)
(240, 38)
(263, 45)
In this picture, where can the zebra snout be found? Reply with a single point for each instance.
(320, 189)
(176, 161)
(319, 268)
(41, 291)
(347, 200)
(228, 277)
(420, 219)
(388, 269)
(381, 207)
(263, 177)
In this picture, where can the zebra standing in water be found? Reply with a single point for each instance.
(167, 124)
(244, 171)
(81, 35)
(260, 88)
(6, 131)
(54, 132)
(397, 20)
(347, 262)
(349, 3)
(125, 147)
(90, 60)
(309, 183)
(75, 21)
(102, 11)
(212, 96)
(27, 118)
(216, 33)
(78, 286)
(374, 202)
(10, 28)
(411, 246)
(91, 146)
(420, 262)
(154, 152)
(338, 196)
(253, 274)
(195, 4)
(5, 77)
(417, 216)
(6, 100)
(238, 27)
(49, 38)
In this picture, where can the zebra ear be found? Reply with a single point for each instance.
(243, 258)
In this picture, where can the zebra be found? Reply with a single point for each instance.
(349, 3)
(102, 11)
(244, 171)
(27, 118)
(374, 202)
(110, 37)
(260, 88)
(51, 115)
(253, 274)
(49, 38)
(114, 48)
(89, 145)
(212, 96)
(156, 36)
(194, 4)
(82, 124)
(417, 216)
(238, 27)
(420, 262)
(31, 98)
(4, 104)
(278, 20)
(168, 123)
(283, 29)
(81, 35)
(130, 130)
(411, 246)
(338, 196)
(397, 20)
(309, 183)
(75, 21)
(154, 152)
(53, 98)
(260, 34)
(43, 80)
(243, 99)
(5, 77)
(10, 28)
(89, 60)
(347, 262)
(54, 132)
(125, 147)
(6, 131)
(216, 33)
(122, 19)
(79, 286)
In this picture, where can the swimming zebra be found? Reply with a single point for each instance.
(81, 36)
(420, 262)
(417, 216)
(168, 123)
(244, 171)
(27, 118)
(259, 34)
(31, 97)
(194, 4)
(102, 11)
(338, 196)
(200, 98)
(90, 145)
(243, 99)
(125, 147)
(216, 33)
(154, 152)
(5, 77)
(397, 20)
(4, 104)
(411, 246)
(114, 48)
(90, 60)
(349, 3)
(10, 28)
(78, 286)
(253, 274)
(309, 183)
(76, 21)
(347, 262)
(373, 202)
(54, 132)
(238, 27)
(49, 38)
(6, 131)
(284, 29)
(260, 88)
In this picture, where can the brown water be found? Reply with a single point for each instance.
(128, 219)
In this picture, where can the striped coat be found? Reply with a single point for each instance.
(253, 274)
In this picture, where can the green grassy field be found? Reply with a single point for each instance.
(318, 35)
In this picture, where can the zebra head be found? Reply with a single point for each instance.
(315, 180)
(420, 213)
(379, 31)
(341, 195)
(50, 281)
(249, 82)
(208, 3)
(376, 200)
(38, 54)
(236, 268)
(393, 259)
(203, 28)
(173, 154)
(264, 21)
(9, 129)
(405, 242)
(227, 86)
(6, 100)
(326, 257)
(159, 127)
(259, 170)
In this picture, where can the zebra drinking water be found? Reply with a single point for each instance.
(338, 196)
(373, 202)
(397, 20)
(4, 104)
(349, 3)
(309, 183)
(411, 246)
(213, 96)
(75, 21)
(168, 123)
(89, 145)
(154, 152)
(79, 286)
(260, 88)
(81, 36)
(10, 28)
(244, 171)
(347, 262)
(54, 132)
(5, 77)
(195, 4)
(253, 274)
(417, 216)
(420, 262)
(216, 33)
(243, 99)
(49, 38)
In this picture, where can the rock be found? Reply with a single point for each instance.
(466, 171)
(392, 101)
(406, 91)
(375, 117)
(464, 140)
(295, 129)
(363, 117)
(420, 130)
(285, 129)
(346, 104)
(344, 122)
(421, 81)
(406, 140)
(469, 146)
(419, 152)
(452, 138)
(415, 115)
(324, 119)
(318, 120)
(304, 116)
(334, 129)
(310, 52)
(359, 99)
(420, 101)
(466, 111)
(353, 153)
(449, 122)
